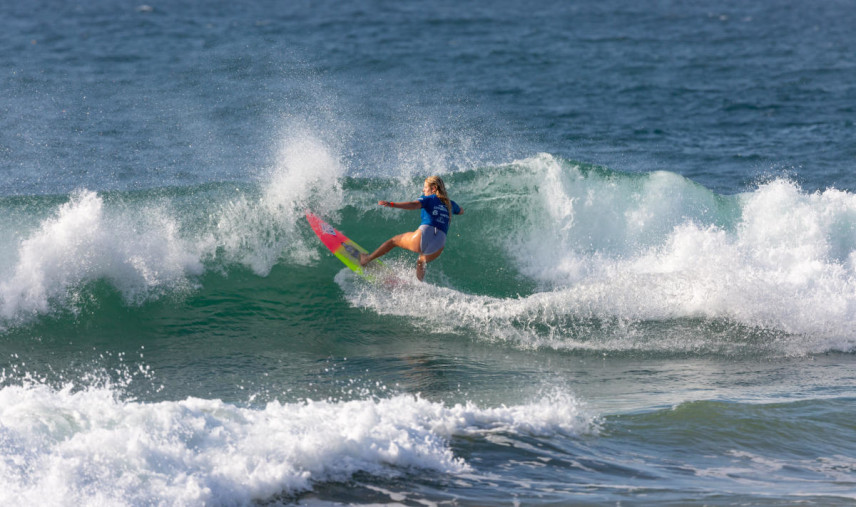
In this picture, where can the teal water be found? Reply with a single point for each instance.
(649, 300)
(241, 360)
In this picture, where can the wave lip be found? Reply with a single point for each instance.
(65, 447)
(140, 253)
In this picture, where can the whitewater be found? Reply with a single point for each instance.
(70, 446)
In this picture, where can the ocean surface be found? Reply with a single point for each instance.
(650, 298)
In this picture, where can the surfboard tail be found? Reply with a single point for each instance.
(344, 248)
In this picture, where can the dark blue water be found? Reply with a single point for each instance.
(113, 95)
(650, 298)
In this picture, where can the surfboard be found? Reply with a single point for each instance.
(344, 248)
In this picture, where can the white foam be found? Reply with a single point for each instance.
(87, 447)
(139, 253)
(629, 249)
(572, 221)
(749, 469)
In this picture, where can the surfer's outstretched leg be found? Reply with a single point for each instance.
(408, 240)
(382, 250)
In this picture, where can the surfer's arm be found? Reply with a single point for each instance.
(401, 205)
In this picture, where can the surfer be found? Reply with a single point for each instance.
(430, 238)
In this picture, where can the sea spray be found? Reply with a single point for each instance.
(139, 253)
(260, 230)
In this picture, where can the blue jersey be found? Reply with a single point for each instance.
(435, 213)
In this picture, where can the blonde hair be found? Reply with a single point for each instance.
(438, 184)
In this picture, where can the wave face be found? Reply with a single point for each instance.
(605, 260)
(548, 253)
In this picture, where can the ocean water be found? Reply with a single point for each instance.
(650, 298)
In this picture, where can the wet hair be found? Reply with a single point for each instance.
(437, 183)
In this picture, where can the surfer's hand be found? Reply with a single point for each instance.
(384, 203)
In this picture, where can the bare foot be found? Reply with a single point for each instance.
(364, 259)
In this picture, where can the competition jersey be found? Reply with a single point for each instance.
(435, 213)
